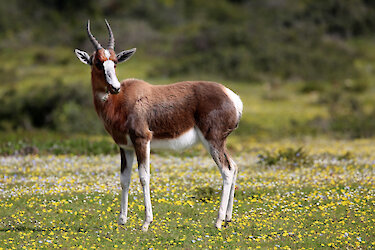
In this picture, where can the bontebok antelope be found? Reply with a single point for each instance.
(140, 116)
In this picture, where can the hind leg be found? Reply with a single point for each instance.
(228, 173)
(228, 217)
(142, 150)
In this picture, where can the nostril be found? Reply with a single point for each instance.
(117, 90)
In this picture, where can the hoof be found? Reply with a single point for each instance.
(218, 224)
(122, 220)
(145, 226)
(227, 223)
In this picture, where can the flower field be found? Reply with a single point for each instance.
(326, 199)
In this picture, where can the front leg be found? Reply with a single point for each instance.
(127, 157)
(142, 150)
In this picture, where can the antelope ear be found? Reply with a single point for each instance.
(125, 55)
(83, 56)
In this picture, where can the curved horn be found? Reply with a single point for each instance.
(111, 41)
(92, 38)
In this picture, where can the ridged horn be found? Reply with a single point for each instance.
(92, 38)
(111, 41)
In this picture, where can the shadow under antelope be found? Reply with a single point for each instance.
(140, 116)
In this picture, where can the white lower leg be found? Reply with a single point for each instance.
(125, 182)
(145, 181)
(227, 184)
(144, 175)
(125, 178)
(228, 216)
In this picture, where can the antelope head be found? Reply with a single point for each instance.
(103, 61)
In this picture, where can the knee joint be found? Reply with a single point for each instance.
(125, 181)
(144, 180)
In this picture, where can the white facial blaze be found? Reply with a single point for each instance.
(107, 53)
(110, 74)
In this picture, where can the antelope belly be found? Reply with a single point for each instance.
(187, 139)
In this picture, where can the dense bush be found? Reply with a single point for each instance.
(264, 40)
(289, 157)
(58, 106)
(237, 39)
(347, 115)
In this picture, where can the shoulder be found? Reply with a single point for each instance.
(133, 81)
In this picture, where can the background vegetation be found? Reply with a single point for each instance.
(302, 68)
(305, 146)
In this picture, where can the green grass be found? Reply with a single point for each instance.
(47, 142)
(73, 201)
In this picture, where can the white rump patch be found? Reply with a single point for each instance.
(235, 99)
(185, 140)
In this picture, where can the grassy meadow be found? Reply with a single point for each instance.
(321, 196)
(305, 146)
(300, 184)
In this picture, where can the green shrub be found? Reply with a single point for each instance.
(347, 116)
(59, 106)
(259, 41)
(74, 117)
(289, 157)
(205, 194)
